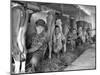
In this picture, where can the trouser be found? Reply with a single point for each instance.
(37, 56)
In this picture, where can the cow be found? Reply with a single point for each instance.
(19, 25)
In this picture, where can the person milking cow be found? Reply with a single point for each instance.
(38, 43)
(59, 39)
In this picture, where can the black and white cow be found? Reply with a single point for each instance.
(19, 25)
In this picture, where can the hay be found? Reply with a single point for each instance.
(55, 64)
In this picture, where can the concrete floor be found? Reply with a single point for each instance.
(84, 61)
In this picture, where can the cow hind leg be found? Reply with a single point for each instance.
(23, 67)
(17, 67)
(50, 50)
(65, 48)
